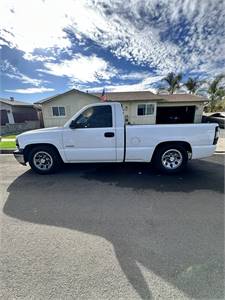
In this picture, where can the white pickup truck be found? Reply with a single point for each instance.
(97, 133)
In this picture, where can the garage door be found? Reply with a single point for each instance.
(175, 114)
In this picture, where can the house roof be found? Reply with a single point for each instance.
(130, 96)
(15, 102)
(63, 94)
(182, 98)
(133, 96)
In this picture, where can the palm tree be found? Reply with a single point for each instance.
(192, 85)
(173, 81)
(213, 87)
(214, 90)
(220, 94)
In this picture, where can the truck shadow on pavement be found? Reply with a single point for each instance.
(165, 224)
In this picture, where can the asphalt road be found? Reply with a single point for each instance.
(112, 232)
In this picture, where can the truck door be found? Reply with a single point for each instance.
(91, 136)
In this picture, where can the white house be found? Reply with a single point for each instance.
(141, 107)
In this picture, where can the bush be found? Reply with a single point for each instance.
(218, 106)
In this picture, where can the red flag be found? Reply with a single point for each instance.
(103, 96)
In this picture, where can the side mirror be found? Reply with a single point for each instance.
(73, 124)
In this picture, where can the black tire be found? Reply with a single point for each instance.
(163, 164)
(52, 159)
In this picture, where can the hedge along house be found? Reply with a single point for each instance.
(141, 107)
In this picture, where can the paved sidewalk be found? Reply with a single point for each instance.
(7, 140)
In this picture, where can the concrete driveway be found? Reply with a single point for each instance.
(112, 232)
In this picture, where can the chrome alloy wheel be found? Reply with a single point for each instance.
(42, 160)
(172, 159)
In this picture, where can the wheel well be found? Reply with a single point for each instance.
(185, 145)
(28, 148)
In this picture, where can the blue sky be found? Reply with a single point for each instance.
(48, 46)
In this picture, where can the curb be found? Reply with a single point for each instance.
(7, 151)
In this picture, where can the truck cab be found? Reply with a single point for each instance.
(99, 131)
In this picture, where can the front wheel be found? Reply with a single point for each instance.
(44, 160)
(170, 159)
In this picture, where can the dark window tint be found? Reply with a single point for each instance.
(175, 114)
(95, 117)
(62, 111)
(58, 111)
(55, 111)
(145, 109)
(141, 110)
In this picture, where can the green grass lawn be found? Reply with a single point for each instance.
(7, 145)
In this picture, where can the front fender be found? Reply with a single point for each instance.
(54, 139)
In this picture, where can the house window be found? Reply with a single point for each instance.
(145, 109)
(58, 111)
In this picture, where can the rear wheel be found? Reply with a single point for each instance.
(44, 160)
(170, 159)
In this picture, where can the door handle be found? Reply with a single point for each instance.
(109, 134)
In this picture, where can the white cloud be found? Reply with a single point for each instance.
(25, 79)
(143, 85)
(128, 30)
(175, 35)
(12, 72)
(81, 69)
(30, 57)
(122, 88)
(122, 36)
(27, 25)
(152, 79)
(134, 75)
(31, 90)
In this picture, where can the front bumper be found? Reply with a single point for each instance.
(19, 156)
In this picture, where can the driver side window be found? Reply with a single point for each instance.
(95, 117)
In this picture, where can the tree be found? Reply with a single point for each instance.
(192, 85)
(220, 93)
(215, 91)
(214, 85)
(173, 81)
